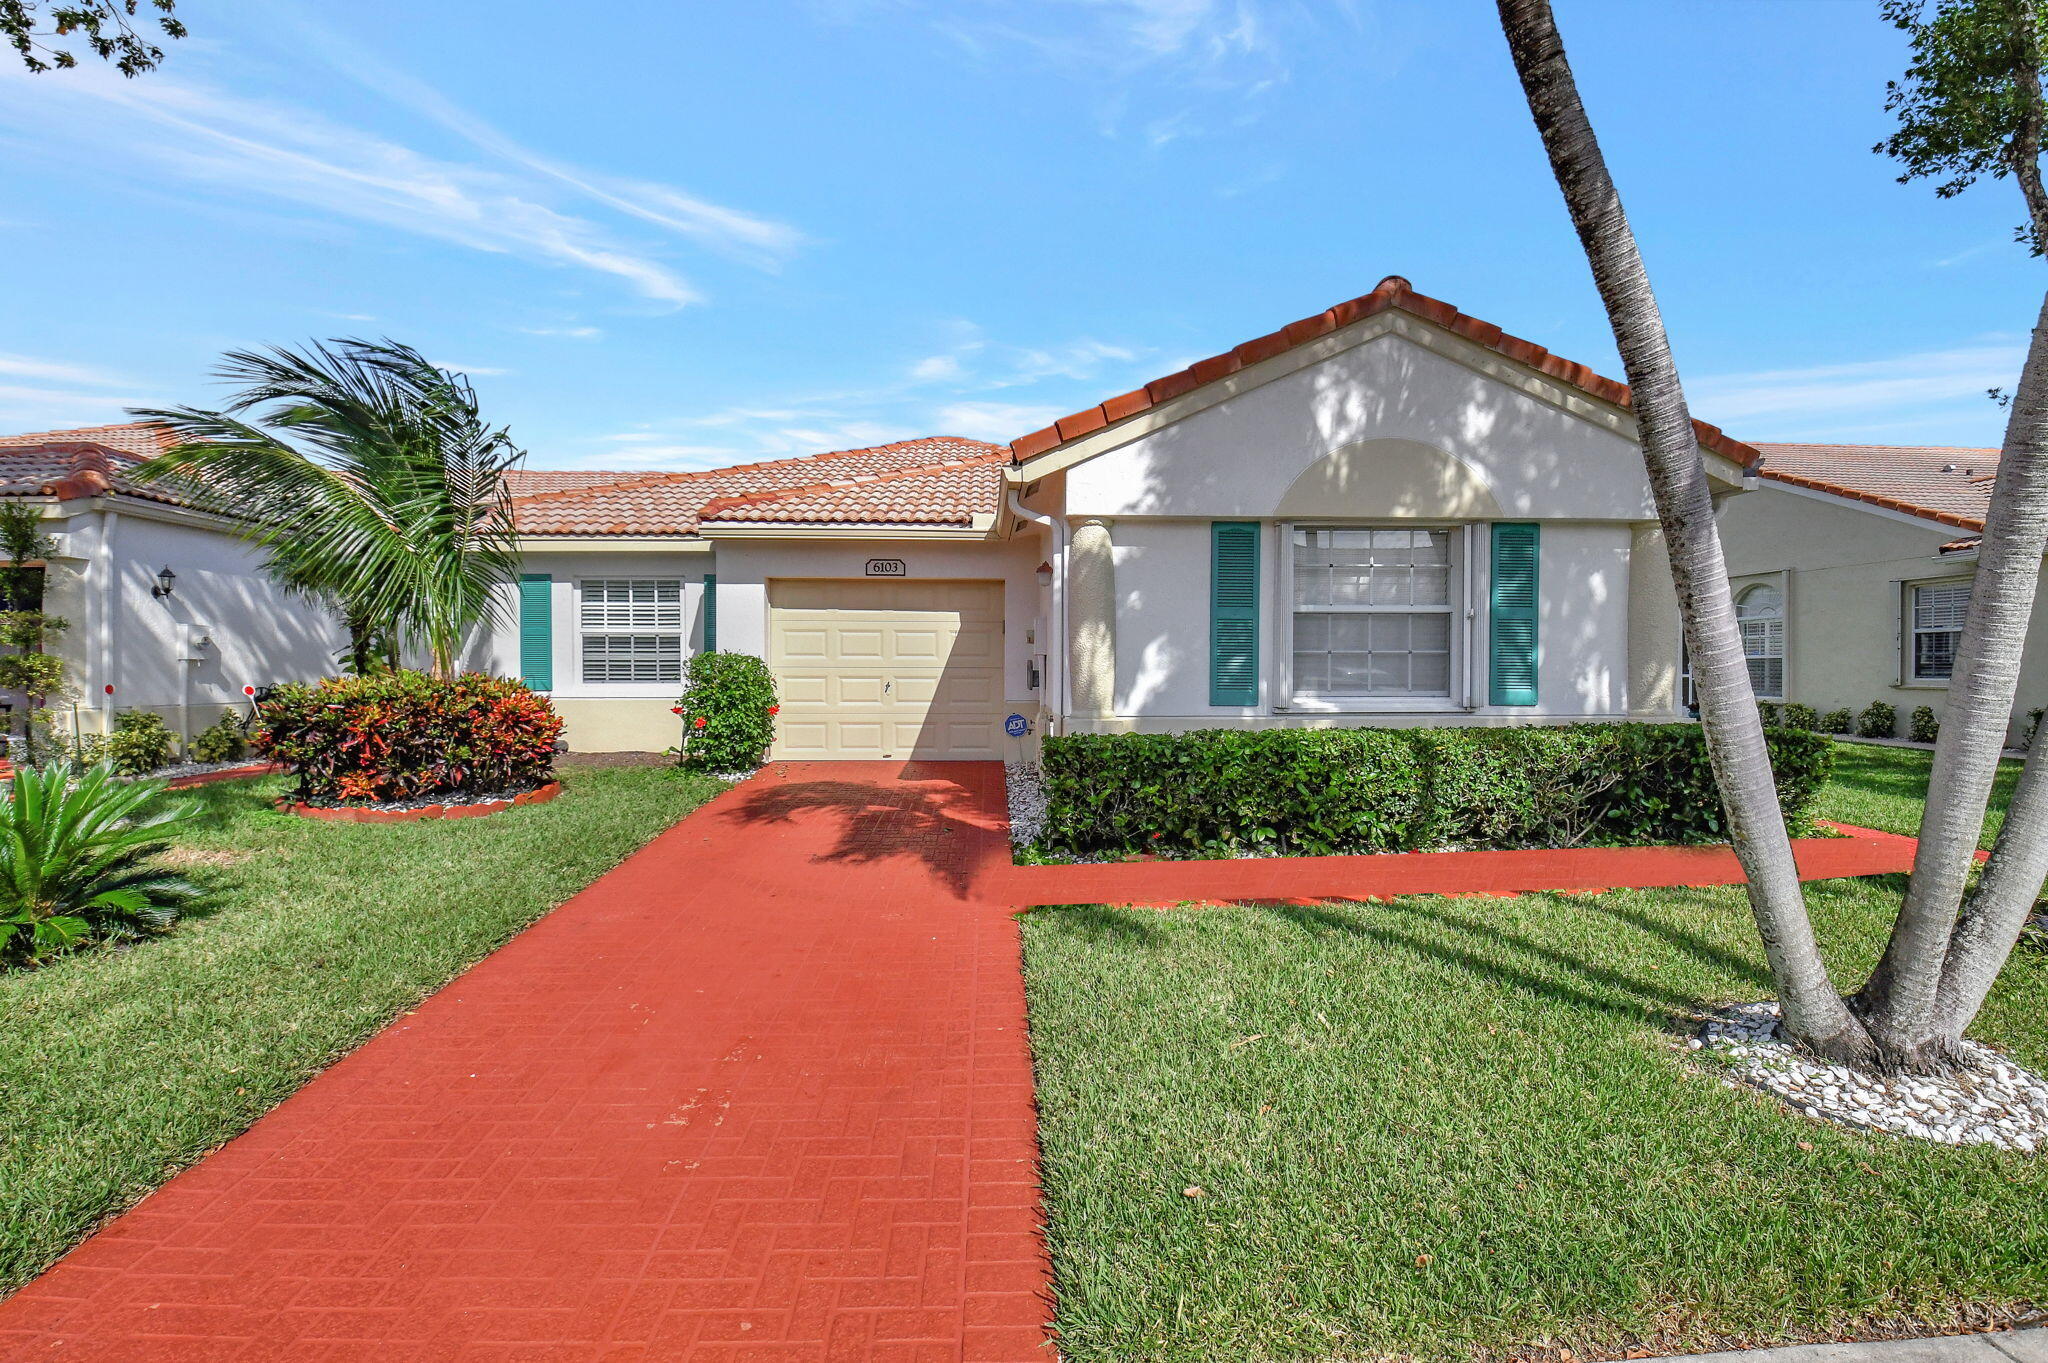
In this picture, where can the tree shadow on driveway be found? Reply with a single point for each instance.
(880, 823)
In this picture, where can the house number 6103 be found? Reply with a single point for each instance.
(887, 567)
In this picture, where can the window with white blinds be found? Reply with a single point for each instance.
(632, 630)
(1937, 627)
(1372, 613)
(1760, 616)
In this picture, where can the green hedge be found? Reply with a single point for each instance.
(1313, 792)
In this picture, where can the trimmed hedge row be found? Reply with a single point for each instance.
(1318, 792)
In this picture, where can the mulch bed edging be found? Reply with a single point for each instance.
(207, 778)
(539, 795)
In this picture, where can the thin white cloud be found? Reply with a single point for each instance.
(472, 370)
(56, 371)
(936, 368)
(1918, 385)
(999, 422)
(569, 333)
(228, 143)
(26, 407)
(947, 393)
(718, 227)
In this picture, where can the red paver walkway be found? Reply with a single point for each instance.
(763, 1092)
(1862, 852)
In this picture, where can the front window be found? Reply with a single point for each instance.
(632, 630)
(1372, 613)
(1760, 615)
(1938, 609)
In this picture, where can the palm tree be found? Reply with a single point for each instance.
(371, 479)
(1974, 102)
(1812, 1008)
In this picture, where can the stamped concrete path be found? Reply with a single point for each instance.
(761, 1093)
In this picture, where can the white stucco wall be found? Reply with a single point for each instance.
(261, 634)
(597, 716)
(1237, 458)
(1844, 571)
(1162, 635)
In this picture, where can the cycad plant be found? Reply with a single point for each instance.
(369, 475)
(76, 853)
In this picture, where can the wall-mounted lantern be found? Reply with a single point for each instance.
(1045, 574)
(165, 581)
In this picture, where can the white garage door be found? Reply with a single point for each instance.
(887, 669)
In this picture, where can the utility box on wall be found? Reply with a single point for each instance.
(195, 643)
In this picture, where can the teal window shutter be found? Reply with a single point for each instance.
(537, 631)
(1511, 623)
(1234, 613)
(711, 612)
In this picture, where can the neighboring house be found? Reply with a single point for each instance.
(185, 653)
(1388, 513)
(1852, 567)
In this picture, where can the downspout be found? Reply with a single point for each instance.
(103, 631)
(1056, 647)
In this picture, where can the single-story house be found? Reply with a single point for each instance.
(1386, 513)
(168, 608)
(1852, 567)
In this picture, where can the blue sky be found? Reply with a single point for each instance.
(689, 235)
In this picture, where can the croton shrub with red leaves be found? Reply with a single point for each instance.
(398, 735)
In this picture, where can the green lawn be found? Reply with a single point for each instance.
(118, 1068)
(1879, 787)
(1457, 1127)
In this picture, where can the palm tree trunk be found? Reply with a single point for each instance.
(2006, 894)
(1937, 968)
(1813, 1011)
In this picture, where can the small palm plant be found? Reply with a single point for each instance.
(76, 853)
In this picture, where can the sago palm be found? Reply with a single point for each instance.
(75, 860)
(369, 475)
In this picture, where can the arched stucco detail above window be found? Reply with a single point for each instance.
(1392, 480)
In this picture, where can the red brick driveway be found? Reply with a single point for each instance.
(763, 1092)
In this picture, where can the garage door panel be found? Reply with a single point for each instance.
(800, 689)
(887, 669)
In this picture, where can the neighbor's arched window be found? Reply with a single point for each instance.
(1760, 612)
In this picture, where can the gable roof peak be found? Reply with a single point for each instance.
(1393, 293)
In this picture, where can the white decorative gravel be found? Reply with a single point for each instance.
(1026, 786)
(1988, 1101)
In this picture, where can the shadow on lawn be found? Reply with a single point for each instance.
(1583, 983)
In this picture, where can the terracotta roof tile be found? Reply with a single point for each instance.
(83, 463)
(946, 494)
(1949, 484)
(1394, 293)
(671, 503)
(140, 438)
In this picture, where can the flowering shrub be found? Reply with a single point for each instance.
(397, 735)
(728, 711)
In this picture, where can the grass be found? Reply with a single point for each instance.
(119, 1068)
(1879, 787)
(1458, 1127)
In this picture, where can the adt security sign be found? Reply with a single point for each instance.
(1016, 726)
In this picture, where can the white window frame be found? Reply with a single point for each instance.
(1774, 583)
(1909, 676)
(1460, 609)
(680, 631)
